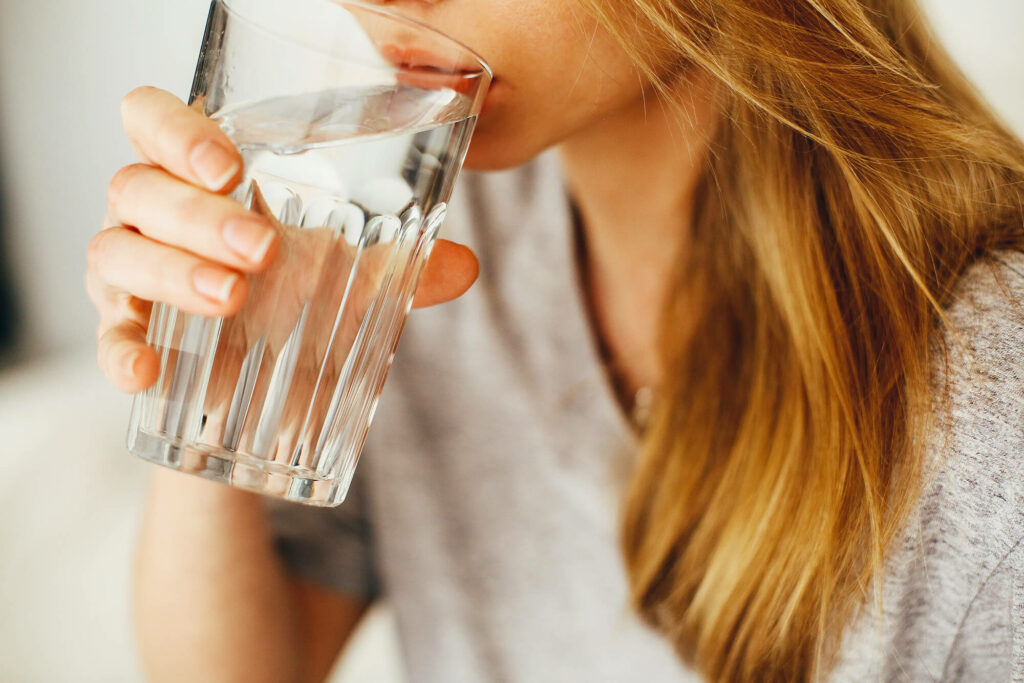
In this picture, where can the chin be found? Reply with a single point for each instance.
(491, 151)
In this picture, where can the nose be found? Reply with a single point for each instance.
(414, 9)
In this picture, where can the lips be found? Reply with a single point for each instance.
(411, 57)
(421, 68)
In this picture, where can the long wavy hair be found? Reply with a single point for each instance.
(853, 176)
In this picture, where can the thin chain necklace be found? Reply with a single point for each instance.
(635, 405)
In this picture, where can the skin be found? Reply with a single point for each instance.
(171, 235)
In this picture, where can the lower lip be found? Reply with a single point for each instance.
(432, 79)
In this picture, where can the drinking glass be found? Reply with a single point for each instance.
(353, 123)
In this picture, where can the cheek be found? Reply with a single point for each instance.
(524, 122)
(550, 86)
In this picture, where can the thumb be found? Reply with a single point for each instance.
(451, 270)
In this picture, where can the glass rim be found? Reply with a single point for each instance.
(391, 15)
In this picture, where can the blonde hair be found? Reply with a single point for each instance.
(853, 177)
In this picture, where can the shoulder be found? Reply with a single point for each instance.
(986, 309)
(978, 441)
(954, 580)
(982, 359)
(982, 364)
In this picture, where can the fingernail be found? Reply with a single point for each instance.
(214, 283)
(250, 239)
(214, 165)
(129, 363)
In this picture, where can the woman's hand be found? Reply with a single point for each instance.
(171, 235)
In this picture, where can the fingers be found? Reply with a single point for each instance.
(167, 133)
(173, 212)
(128, 363)
(451, 270)
(115, 306)
(152, 271)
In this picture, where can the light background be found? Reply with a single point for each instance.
(65, 564)
(65, 64)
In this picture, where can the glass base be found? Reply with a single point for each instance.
(238, 470)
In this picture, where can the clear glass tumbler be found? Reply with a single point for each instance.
(353, 123)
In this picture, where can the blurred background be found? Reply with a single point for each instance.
(70, 495)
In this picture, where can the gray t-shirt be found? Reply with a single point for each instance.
(486, 502)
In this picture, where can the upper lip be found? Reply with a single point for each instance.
(415, 58)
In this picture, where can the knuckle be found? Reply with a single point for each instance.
(177, 132)
(119, 306)
(105, 349)
(137, 311)
(195, 213)
(120, 183)
(157, 281)
(131, 100)
(96, 252)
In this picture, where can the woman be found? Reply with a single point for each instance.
(792, 226)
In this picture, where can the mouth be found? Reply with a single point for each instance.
(415, 58)
(423, 69)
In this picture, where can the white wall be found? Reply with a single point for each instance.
(64, 65)
(985, 37)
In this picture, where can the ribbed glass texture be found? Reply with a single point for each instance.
(351, 151)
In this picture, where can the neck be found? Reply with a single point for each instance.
(633, 176)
